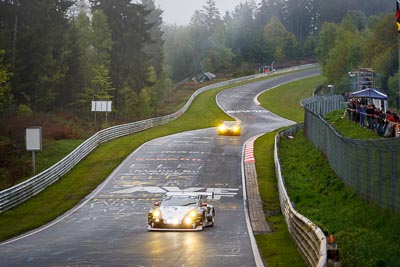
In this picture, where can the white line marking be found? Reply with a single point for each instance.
(256, 252)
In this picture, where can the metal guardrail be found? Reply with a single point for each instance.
(21, 192)
(309, 238)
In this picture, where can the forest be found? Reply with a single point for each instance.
(59, 55)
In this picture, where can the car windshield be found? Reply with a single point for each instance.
(179, 201)
(230, 123)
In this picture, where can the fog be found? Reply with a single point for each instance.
(179, 12)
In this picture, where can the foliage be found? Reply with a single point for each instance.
(24, 110)
(63, 54)
(366, 235)
(62, 58)
(326, 42)
(279, 41)
(94, 42)
(71, 189)
(179, 51)
(6, 98)
(359, 42)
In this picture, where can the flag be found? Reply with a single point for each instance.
(398, 15)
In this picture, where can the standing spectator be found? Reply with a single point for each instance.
(361, 111)
(371, 114)
(390, 119)
(380, 127)
(350, 109)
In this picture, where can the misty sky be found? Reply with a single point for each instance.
(180, 12)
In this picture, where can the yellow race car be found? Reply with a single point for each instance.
(229, 128)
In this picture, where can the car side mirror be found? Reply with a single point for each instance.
(203, 204)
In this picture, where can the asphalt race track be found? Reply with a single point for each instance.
(110, 227)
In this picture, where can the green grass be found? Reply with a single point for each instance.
(285, 100)
(348, 128)
(53, 151)
(91, 171)
(366, 234)
(277, 248)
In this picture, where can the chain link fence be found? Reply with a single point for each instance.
(370, 167)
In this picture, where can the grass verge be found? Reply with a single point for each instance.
(89, 173)
(348, 128)
(366, 234)
(285, 100)
(277, 247)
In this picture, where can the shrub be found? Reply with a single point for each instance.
(24, 110)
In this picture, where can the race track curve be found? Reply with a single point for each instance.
(109, 227)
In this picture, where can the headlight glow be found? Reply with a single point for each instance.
(222, 128)
(188, 220)
(157, 213)
(193, 214)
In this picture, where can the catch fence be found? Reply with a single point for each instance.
(370, 167)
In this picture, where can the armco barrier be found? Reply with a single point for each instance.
(19, 193)
(309, 238)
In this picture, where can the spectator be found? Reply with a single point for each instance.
(371, 114)
(361, 111)
(390, 119)
(380, 127)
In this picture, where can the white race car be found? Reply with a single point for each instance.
(182, 211)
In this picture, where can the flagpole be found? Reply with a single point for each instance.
(398, 51)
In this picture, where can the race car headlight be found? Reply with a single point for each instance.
(156, 213)
(193, 214)
(236, 129)
(188, 220)
(222, 128)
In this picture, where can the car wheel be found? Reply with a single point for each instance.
(211, 219)
(203, 221)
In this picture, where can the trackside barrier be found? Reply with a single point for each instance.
(21, 192)
(371, 167)
(309, 238)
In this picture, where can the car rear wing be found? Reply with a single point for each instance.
(199, 195)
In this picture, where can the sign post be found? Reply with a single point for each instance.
(34, 143)
(101, 106)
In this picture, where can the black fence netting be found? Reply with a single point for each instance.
(370, 167)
